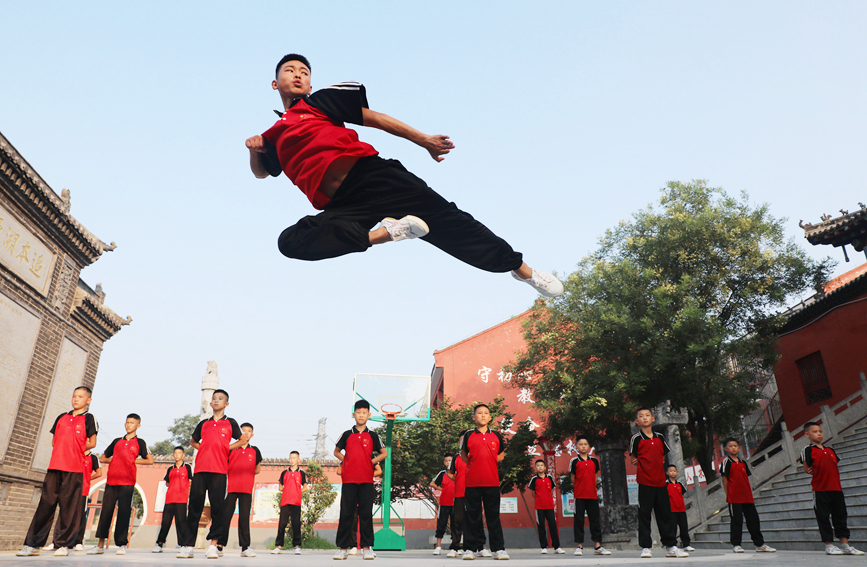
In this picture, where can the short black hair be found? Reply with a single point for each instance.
(134, 416)
(669, 465)
(247, 424)
(362, 404)
(294, 453)
(810, 424)
(224, 392)
(642, 408)
(580, 437)
(481, 406)
(728, 440)
(178, 447)
(292, 57)
(86, 389)
(452, 455)
(539, 461)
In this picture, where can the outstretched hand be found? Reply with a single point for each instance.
(256, 144)
(437, 146)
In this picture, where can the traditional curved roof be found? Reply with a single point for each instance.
(842, 289)
(841, 230)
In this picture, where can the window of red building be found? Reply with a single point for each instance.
(814, 378)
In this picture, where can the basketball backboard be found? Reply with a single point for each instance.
(411, 393)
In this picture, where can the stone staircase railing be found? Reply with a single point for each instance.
(704, 503)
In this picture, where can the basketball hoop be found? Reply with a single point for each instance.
(391, 410)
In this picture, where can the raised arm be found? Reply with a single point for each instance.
(437, 145)
(257, 147)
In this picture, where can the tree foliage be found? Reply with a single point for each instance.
(181, 432)
(676, 304)
(314, 501)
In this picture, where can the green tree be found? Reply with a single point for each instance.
(676, 304)
(181, 431)
(314, 501)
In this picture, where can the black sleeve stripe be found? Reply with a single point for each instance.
(189, 471)
(197, 434)
(303, 478)
(633, 444)
(94, 462)
(282, 476)
(598, 466)
(236, 431)
(532, 485)
(53, 427)
(168, 472)
(341, 443)
(109, 451)
(258, 455)
(90, 426)
(143, 450)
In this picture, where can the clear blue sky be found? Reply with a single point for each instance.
(567, 117)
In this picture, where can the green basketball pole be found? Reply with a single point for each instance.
(386, 538)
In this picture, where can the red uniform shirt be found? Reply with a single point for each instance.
(675, 496)
(447, 495)
(215, 437)
(71, 433)
(293, 482)
(123, 453)
(482, 450)
(826, 474)
(310, 135)
(242, 469)
(459, 469)
(544, 490)
(651, 453)
(357, 446)
(738, 473)
(584, 473)
(178, 483)
(91, 463)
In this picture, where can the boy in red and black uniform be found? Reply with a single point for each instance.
(739, 495)
(356, 188)
(542, 485)
(585, 470)
(828, 501)
(177, 492)
(457, 472)
(445, 513)
(649, 450)
(122, 456)
(353, 450)
(293, 483)
(74, 433)
(213, 439)
(482, 450)
(676, 490)
(244, 465)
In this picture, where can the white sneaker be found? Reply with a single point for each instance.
(645, 553)
(78, 547)
(276, 551)
(543, 282)
(353, 551)
(157, 549)
(689, 548)
(485, 553)
(185, 553)
(121, 550)
(469, 555)
(559, 551)
(737, 549)
(578, 551)
(368, 554)
(96, 550)
(849, 550)
(675, 551)
(27, 551)
(501, 555)
(219, 551)
(452, 553)
(833, 550)
(49, 547)
(212, 552)
(544, 551)
(438, 551)
(765, 549)
(61, 552)
(297, 551)
(341, 554)
(601, 551)
(405, 228)
(248, 553)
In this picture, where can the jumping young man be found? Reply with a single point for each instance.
(355, 189)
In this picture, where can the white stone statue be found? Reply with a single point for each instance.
(210, 382)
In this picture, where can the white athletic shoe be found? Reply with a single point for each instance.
(438, 551)
(501, 555)
(543, 282)
(78, 547)
(341, 554)
(157, 549)
(248, 552)
(297, 551)
(689, 548)
(737, 549)
(645, 553)
(469, 555)
(559, 551)
(27, 551)
(544, 551)
(219, 551)
(601, 551)
(353, 551)
(96, 550)
(579, 551)
(405, 228)
(185, 553)
(485, 553)
(61, 552)
(452, 553)
(276, 551)
(849, 550)
(765, 549)
(121, 550)
(49, 547)
(212, 552)
(833, 550)
(675, 551)
(368, 554)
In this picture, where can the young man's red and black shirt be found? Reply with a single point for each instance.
(215, 436)
(738, 474)
(123, 453)
(584, 472)
(543, 487)
(242, 468)
(311, 134)
(676, 490)
(826, 474)
(293, 484)
(482, 451)
(71, 433)
(459, 469)
(651, 452)
(91, 463)
(178, 482)
(447, 494)
(357, 446)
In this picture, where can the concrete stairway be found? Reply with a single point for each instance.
(785, 504)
